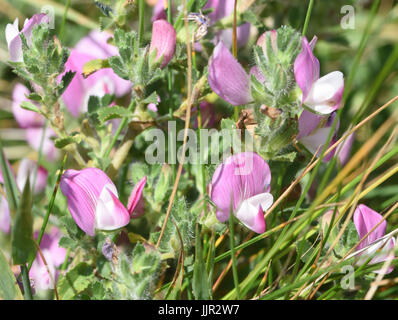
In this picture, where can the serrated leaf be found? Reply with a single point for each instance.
(94, 65)
(66, 80)
(22, 243)
(8, 288)
(75, 281)
(118, 67)
(67, 243)
(63, 142)
(34, 96)
(115, 112)
(152, 98)
(29, 106)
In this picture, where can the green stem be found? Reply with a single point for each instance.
(26, 283)
(49, 208)
(141, 22)
(307, 17)
(64, 17)
(233, 257)
(361, 49)
(169, 12)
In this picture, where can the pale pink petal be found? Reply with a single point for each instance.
(110, 214)
(29, 167)
(251, 211)
(33, 137)
(4, 215)
(25, 118)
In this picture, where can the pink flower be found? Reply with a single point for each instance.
(54, 256)
(4, 215)
(241, 185)
(25, 118)
(365, 219)
(93, 200)
(94, 46)
(322, 95)
(33, 137)
(227, 77)
(163, 40)
(28, 167)
(14, 41)
(314, 131)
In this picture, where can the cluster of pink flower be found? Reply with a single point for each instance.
(239, 186)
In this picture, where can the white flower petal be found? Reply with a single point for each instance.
(324, 93)
(250, 212)
(12, 31)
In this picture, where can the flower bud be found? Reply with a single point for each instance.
(164, 41)
(135, 205)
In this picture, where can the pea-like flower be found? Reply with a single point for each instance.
(93, 200)
(241, 185)
(375, 245)
(321, 95)
(13, 38)
(105, 81)
(42, 276)
(33, 123)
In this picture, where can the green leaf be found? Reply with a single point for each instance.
(63, 142)
(118, 67)
(23, 246)
(67, 243)
(105, 114)
(34, 96)
(12, 192)
(152, 98)
(75, 281)
(94, 65)
(162, 186)
(8, 288)
(29, 106)
(200, 283)
(98, 291)
(66, 80)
